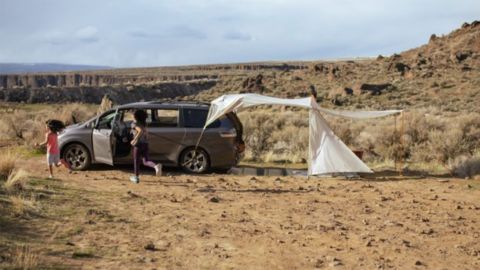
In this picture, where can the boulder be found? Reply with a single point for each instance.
(461, 56)
(374, 89)
(399, 67)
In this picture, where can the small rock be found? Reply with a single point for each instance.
(406, 243)
(215, 199)
(418, 263)
(335, 262)
(428, 232)
(150, 246)
(319, 263)
(162, 245)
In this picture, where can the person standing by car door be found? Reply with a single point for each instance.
(140, 145)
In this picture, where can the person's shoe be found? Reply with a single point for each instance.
(50, 176)
(70, 171)
(134, 179)
(158, 170)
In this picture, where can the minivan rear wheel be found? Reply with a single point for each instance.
(195, 161)
(77, 156)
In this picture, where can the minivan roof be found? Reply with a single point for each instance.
(165, 104)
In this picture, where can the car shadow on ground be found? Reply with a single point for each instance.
(383, 175)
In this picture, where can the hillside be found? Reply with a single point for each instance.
(443, 73)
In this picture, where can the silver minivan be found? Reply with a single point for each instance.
(174, 129)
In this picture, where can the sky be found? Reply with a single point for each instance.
(140, 33)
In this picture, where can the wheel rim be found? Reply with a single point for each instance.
(76, 156)
(195, 161)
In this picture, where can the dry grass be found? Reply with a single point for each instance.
(24, 258)
(21, 206)
(16, 181)
(26, 124)
(7, 164)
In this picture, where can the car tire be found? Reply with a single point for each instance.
(195, 161)
(77, 156)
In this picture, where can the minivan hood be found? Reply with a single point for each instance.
(74, 126)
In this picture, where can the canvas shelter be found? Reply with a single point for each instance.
(327, 153)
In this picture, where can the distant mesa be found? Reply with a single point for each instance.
(16, 68)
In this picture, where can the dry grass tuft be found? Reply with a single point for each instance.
(7, 164)
(21, 206)
(24, 258)
(16, 181)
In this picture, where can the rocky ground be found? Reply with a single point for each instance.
(99, 220)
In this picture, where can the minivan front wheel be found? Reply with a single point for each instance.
(194, 161)
(77, 156)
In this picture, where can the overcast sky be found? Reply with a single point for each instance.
(123, 33)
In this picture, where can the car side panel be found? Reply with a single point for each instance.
(165, 142)
(81, 135)
(221, 150)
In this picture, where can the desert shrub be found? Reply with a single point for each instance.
(289, 144)
(465, 166)
(257, 129)
(275, 135)
(14, 126)
(459, 136)
(28, 126)
(74, 113)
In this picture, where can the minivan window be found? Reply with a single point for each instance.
(195, 118)
(164, 118)
(128, 116)
(105, 122)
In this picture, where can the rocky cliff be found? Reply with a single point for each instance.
(123, 85)
(445, 72)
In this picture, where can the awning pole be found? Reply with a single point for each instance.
(395, 129)
(402, 131)
(196, 146)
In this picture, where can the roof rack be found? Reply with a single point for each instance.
(168, 101)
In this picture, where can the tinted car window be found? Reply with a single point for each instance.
(164, 118)
(195, 118)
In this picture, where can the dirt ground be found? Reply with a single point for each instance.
(99, 220)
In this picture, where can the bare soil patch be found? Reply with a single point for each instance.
(99, 220)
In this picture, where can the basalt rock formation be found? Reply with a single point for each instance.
(444, 72)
